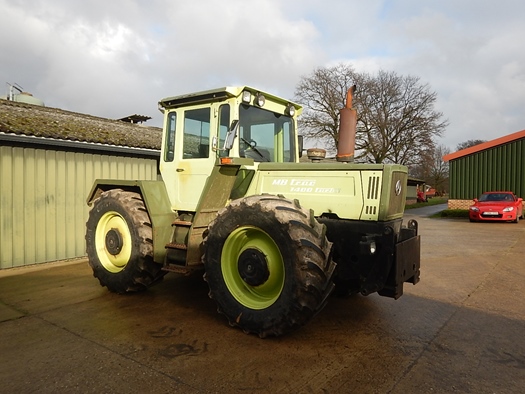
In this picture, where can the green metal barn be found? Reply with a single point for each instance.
(494, 165)
(49, 159)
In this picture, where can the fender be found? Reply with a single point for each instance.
(157, 203)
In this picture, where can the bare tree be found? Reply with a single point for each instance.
(323, 94)
(432, 168)
(396, 117)
(468, 144)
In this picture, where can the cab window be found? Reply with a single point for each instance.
(196, 143)
(224, 123)
(169, 148)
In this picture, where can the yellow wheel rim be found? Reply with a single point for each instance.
(267, 290)
(113, 241)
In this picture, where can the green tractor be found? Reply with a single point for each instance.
(273, 235)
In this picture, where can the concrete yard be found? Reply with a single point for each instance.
(461, 329)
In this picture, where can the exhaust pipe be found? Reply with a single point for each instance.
(347, 130)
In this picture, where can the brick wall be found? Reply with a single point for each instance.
(459, 204)
(462, 204)
(411, 201)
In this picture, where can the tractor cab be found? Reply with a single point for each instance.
(230, 121)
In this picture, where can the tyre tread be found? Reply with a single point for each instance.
(142, 271)
(313, 264)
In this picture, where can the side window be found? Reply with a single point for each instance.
(224, 123)
(288, 154)
(169, 149)
(196, 144)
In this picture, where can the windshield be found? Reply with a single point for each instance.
(266, 136)
(496, 197)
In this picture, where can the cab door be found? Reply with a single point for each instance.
(190, 151)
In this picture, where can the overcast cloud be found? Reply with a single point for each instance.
(117, 58)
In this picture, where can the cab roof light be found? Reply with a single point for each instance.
(260, 99)
(290, 109)
(246, 97)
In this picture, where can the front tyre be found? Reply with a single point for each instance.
(119, 242)
(268, 264)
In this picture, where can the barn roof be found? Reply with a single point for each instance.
(51, 123)
(485, 145)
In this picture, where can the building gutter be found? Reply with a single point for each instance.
(78, 145)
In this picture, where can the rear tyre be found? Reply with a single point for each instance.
(268, 264)
(119, 242)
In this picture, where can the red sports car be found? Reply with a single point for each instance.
(502, 206)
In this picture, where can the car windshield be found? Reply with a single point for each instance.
(496, 197)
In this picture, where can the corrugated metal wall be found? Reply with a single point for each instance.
(43, 194)
(498, 168)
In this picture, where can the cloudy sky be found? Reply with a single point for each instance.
(117, 58)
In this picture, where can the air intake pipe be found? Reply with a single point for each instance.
(347, 129)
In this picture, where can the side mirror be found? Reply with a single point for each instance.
(230, 136)
(300, 142)
(475, 200)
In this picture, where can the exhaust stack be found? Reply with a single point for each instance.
(347, 130)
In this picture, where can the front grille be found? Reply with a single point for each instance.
(372, 185)
(371, 210)
(373, 188)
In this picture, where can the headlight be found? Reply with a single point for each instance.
(475, 209)
(246, 97)
(508, 209)
(290, 110)
(373, 247)
(260, 99)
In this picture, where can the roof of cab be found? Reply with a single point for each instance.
(218, 94)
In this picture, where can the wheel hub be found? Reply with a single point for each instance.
(113, 242)
(253, 267)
